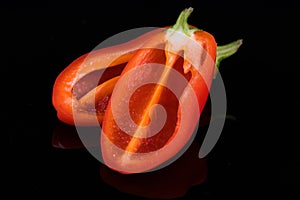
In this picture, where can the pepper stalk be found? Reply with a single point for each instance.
(227, 50)
(182, 26)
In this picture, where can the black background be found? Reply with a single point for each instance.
(257, 154)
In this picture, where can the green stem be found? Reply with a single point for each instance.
(182, 24)
(227, 50)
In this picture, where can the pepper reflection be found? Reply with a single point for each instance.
(172, 181)
(65, 136)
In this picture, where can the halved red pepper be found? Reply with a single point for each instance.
(81, 99)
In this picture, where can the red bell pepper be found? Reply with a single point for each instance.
(125, 109)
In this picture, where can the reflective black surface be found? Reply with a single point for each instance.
(257, 153)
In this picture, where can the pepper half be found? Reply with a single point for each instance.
(79, 92)
(157, 101)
